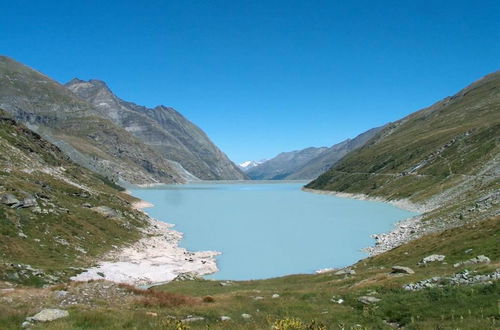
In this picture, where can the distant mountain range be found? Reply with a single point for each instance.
(118, 139)
(307, 163)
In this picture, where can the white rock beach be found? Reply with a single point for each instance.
(155, 258)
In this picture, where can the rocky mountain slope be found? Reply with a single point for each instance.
(444, 158)
(119, 140)
(77, 128)
(163, 129)
(54, 214)
(309, 163)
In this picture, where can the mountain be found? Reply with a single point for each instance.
(130, 143)
(444, 157)
(51, 210)
(249, 164)
(78, 129)
(322, 162)
(309, 163)
(163, 129)
(284, 164)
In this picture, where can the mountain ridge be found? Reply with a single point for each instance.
(308, 163)
(163, 128)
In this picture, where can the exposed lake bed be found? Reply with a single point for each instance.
(269, 229)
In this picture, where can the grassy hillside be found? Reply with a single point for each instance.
(303, 301)
(430, 153)
(58, 229)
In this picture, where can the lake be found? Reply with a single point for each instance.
(268, 229)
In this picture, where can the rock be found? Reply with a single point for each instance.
(258, 298)
(189, 276)
(477, 260)
(246, 316)
(468, 251)
(432, 258)
(22, 235)
(61, 294)
(48, 315)
(481, 259)
(402, 270)
(337, 301)
(274, 296)
(9, 199)
(225, 318)
(226, 283)
(29, 201)
(191, 318)
(345, 271)
(368, 300)
(152, 314)
(26, 324)
(87, 205)
(105, 211)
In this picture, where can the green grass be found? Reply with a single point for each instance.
(306, 299)
(70, 236)
(455, 138)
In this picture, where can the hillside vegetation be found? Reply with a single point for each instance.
(431, 153)
(55, 216)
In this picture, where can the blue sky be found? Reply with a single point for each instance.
(261, 77)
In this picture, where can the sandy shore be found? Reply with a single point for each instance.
(404, 230)
(155, 258)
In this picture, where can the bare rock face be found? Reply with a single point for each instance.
(162, 128)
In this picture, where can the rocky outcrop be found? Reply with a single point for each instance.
(163, 129)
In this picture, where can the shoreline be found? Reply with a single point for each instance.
(404, 230)
(154, 259)
(403, 204)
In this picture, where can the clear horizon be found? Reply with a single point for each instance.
(259, 77)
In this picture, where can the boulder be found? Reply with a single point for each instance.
(192, 318)
(432, 258)
(402, 270)
(345, 271)
(274, 296)
(189, 276)
(246, 316)
(9, 199)
(368, 300)
(225, 318)
(29, 201)
(48, 315)
(477, 260)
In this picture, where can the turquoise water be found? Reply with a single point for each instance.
(270, 229)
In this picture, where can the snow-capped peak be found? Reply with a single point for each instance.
(245, 166)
